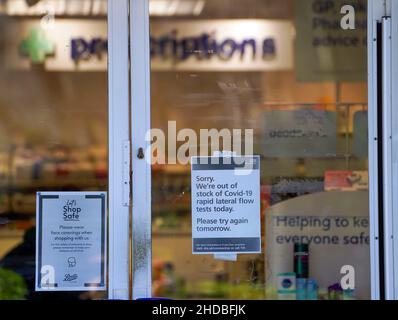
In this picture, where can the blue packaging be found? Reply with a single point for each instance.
(301, 289)
(312, 289)
(348, 294)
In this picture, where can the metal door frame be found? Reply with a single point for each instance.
(119, 163)
(129, 176)
(392, 235)
(141, 166)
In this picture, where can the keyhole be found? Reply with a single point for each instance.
(140, 154)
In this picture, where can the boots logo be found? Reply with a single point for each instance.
(37, 46)
(70, 277)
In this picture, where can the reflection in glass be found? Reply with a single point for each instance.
(308, 108)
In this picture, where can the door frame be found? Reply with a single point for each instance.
(130, 249)
(392, 277)
(382, 102)
(140, 73)
(119, 150)
(377, 9)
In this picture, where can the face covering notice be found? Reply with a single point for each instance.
(71, 241)
(226, 205)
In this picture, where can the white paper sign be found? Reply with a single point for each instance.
(226, 205)
(71, 241)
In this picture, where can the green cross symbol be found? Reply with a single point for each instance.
(37, 46)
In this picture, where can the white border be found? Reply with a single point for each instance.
(140, 125)
(376, 10)
(393, 280)
(119, 213)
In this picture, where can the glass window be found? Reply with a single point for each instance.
(290, 72)
(54, 120)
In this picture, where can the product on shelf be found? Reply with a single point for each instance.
(301, 260)
(286, 286)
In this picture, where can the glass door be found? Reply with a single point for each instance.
(64, 122)
(284, 82)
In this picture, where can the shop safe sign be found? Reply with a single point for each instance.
(226, 205)
(71, 247)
